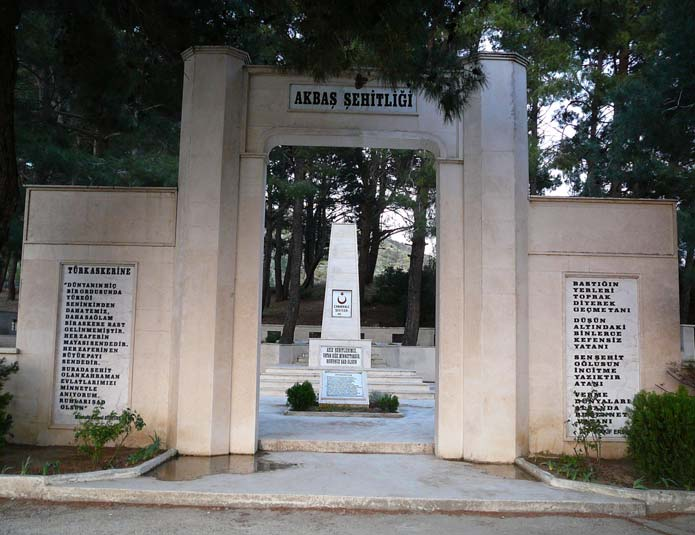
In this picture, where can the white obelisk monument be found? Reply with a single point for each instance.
(340, 353)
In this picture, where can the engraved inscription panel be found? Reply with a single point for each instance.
(94, 349)
(602, 349)
(343, 385)
(341, 357)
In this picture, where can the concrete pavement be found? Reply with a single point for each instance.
(39, 518)
(334, 480)
(417, 425)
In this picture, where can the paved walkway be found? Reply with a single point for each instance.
(414, 433)
(333, 480)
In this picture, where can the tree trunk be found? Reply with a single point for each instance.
(594, 186)
(3, 270)
(9, 181)
(621, 72)
(267, 254)
(12, 276)
(279, 290)
(310, 236)
(309, 279)
(374, 246)
(295, 263)
(320, 241)
(534, 108)
(686, 285)
(288, 270)
(417, 258)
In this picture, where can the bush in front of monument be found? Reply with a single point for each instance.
(5, 418)
(301, 396)
(661, 437)
(385, 402)
(95, 430)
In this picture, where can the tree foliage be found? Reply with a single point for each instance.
(98, 91)
(5, 397)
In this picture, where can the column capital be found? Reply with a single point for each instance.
(503, 56)
(227, 50)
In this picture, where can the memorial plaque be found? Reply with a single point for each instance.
(94, 349)
(341, 304)
(602, 349)
(341, 356)
(347, 99)
(345, 386)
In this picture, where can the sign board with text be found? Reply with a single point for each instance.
(341, 357)
(94, 340)
(347, 99)
(349, 388)
(341, 304)
(602, 350)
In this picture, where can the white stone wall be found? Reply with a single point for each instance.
(96, 225)
(596, 236)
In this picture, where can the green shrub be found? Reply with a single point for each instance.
(385, 402)
(95, 431)
(147, 452)
(5, 419)
(301, 397)
(273, 336)
(661, 436)
(574, 467)
(589, 427)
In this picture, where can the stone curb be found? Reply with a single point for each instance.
(656, 501)
(339, 446)
(10, 482)
(345, 414)
(301, 501)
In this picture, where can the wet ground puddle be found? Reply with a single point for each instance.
(187, 468)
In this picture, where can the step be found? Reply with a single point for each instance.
(403, 396)
(346, 446)
(406, 384)
(386, 379)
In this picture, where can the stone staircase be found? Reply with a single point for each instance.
(378, 361)
(406, 384)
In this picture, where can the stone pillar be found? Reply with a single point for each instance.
(206, 250)
(247, 305)
(450, 319)
(482, 411)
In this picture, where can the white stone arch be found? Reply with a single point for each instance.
(275, 137)
(233, 115)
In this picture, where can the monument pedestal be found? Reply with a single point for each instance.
(340, 353)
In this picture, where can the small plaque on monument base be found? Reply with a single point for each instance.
(344, 388)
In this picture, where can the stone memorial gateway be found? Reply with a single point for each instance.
(519, 341)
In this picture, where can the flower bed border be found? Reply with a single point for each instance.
(657, 501)
(10, 481)
(345, 414)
